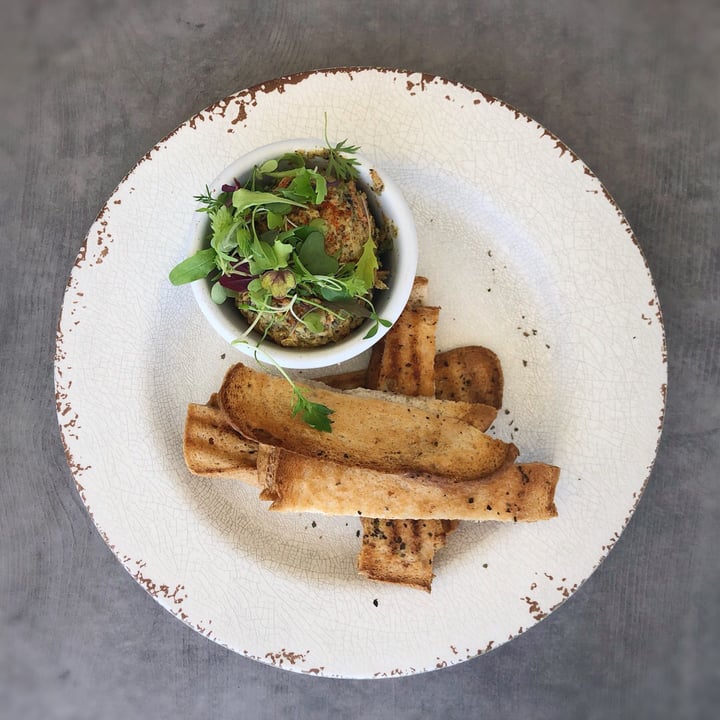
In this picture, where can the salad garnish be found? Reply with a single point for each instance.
(267, 253)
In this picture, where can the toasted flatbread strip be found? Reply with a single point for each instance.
(517, 493)
(471, 373)
(419, 292)
(402, 551)
(212, 448)
(367, 431)
(350, 380)
(403, 361)
(475, 414)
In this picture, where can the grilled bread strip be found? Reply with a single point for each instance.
(394, 550)
(403, 361)
(470, 373)
(369, 432)
(402, 551)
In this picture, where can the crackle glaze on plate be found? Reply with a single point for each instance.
(526, 253)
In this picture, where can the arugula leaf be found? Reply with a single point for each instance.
(367, 265)
(195, 267)
(243, 199)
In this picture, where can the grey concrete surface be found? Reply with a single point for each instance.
(87, 86)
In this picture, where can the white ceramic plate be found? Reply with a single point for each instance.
(526, 253)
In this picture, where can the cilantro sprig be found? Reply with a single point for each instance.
(314, 414)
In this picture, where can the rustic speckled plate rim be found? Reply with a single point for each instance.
(111, 499)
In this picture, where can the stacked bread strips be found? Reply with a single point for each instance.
(408, 453)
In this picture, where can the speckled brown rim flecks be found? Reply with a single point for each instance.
(96, 248)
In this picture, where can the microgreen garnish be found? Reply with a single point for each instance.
(339, 165)
(267, 251)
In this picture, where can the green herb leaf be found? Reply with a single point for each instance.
(372, 332)
(294, 160)
(221, 220)
(340, 166)
(245, 199)
(244, 239)
(283, 251)
(313, 256)
(315, 225)
(259, 295)
(211, 203)
(274, 220)
(316, 415)
(367, 265)
(333, 294)
(268, 166)
(218, 294)
(313, 320)
(195, 267)
(263, 257)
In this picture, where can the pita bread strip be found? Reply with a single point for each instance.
(475, 414)
(518, 493)
(419, 292)
(350, 380)
(212, 448)
(367, 432)
(471, 373)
